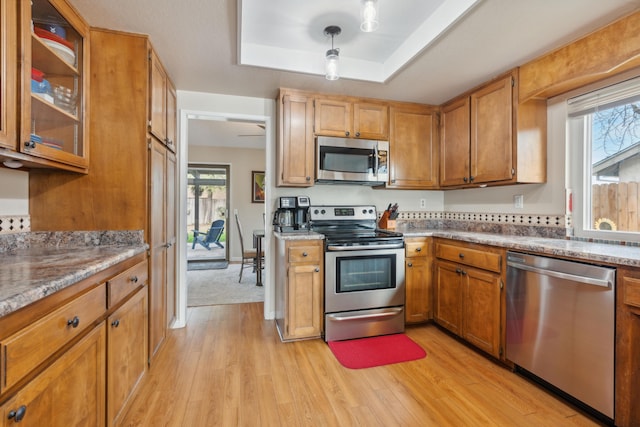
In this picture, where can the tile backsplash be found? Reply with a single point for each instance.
(15, 224)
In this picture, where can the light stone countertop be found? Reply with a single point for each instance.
(593, 252)
(299, 235)
(35, 265)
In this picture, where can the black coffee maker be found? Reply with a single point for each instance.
(292, 214)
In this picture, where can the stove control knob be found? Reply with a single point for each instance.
(315, 211)
(323, 212)
(370, 211)
(364, 211)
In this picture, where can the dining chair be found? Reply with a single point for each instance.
(249, 257)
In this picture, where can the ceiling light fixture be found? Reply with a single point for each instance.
(369, 15)
(332, 57)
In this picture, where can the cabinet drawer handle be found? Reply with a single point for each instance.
(461, 255)
(73, 322)
(317, 270)
(134, 279)
(18, 415)
(410, 264)
(419, 249)
(115, 323)
(305, 254)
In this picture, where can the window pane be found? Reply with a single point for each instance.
(615, 166)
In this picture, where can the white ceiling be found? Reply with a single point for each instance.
(297, 42)
(197, 40)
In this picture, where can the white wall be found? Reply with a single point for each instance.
(14, 192)
(241, 162)
(546, 199)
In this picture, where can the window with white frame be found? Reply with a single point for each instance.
(604, 149)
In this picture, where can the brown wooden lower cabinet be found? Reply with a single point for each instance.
(127, 357)
(418, 272)
(627, 351)
(299, 289)
(469, 298)
(76, 359)
(70, 392)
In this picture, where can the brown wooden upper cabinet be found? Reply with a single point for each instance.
(487, 138)
(413, 147)
(295, 147)
(54, 111)
(8, 73)
(162, 104)
(350, 118)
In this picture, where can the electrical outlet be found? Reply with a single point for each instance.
(518, 201)
(423, 203)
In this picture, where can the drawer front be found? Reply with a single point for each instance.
(28, 348)
(416, 247)
(472, 257)
(309, 253)
(126, 282)
(631, 291)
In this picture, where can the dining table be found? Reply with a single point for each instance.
(258, 235)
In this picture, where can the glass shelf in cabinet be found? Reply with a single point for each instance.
(48, 61)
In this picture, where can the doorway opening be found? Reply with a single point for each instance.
(207, 214)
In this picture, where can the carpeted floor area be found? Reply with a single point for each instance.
(214, 287)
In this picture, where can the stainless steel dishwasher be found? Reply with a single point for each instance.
(561, 325)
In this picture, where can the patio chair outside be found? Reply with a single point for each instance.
(210, 236)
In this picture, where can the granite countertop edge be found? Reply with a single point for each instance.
(35, 286)
(595, 252)
(34, 265)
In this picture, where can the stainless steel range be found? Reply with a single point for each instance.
(364, 273)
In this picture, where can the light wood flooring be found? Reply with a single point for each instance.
(229, 368)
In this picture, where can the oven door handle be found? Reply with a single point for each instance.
(364, 247)
(343, 317)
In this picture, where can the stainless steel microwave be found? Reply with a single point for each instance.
(351, 161)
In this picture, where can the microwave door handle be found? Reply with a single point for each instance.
(376, 161)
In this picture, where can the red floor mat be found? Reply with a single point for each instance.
(376, 351)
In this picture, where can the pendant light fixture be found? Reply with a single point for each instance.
(369, 15)
(332, 57)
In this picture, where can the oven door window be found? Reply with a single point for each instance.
(348, 160)
(365, 273)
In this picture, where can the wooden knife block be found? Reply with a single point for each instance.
(386, 223)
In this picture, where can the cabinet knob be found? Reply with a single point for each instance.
(465, 179)
(410, 264)
(30, 144)
(461, 255)
(419, 249)
(308, 178)
(18, 414)
(464, 273)
(471, 178)
(347, 133)
(73, 322)
(134, 279)
(317, 270)
(358, 134)
(305, 254)
(458, 271)
(115, 323)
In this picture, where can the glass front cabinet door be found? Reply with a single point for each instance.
(55, 47)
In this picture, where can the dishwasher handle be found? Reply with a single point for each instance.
(561, 275)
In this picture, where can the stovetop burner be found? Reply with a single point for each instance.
(351, 226)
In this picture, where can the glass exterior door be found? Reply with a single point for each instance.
(207, 207)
